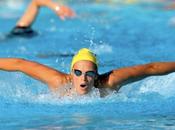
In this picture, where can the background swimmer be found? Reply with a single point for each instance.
(23, 26)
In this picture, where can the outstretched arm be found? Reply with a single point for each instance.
(130, 74)
(29, 16)
(49, 76)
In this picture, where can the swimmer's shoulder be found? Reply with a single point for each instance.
(60, 81)
(104, 80)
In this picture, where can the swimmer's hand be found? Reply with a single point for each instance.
(64, 11)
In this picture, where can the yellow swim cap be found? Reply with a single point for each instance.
(84, 54)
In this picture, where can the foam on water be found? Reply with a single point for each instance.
(20, 89)
(163, 85)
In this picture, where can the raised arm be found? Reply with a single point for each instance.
(45, 74)
(130, 74)
(29, 16)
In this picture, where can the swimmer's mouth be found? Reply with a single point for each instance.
(83, 85)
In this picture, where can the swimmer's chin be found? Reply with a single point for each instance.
(83, 92)
(83, 89)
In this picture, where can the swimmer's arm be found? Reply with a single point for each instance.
(45, 74)
(127, 75)
(30, 14)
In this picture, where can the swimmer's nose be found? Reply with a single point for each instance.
(84, 77)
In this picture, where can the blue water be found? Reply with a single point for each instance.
(120, 35)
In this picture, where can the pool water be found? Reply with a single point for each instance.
(120, 35)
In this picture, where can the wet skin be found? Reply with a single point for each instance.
(83, 83)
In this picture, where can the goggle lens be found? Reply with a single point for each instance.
(88, 73)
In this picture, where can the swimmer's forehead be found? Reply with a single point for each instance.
(85, 64)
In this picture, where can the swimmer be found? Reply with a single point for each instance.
(23, 27)
(84, 75)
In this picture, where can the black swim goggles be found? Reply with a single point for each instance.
(91, 74)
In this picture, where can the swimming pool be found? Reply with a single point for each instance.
(121, 36)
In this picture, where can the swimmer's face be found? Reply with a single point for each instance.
(84, 74)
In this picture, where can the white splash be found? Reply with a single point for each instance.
(101, 49)
(17, 90)
(163, 85)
